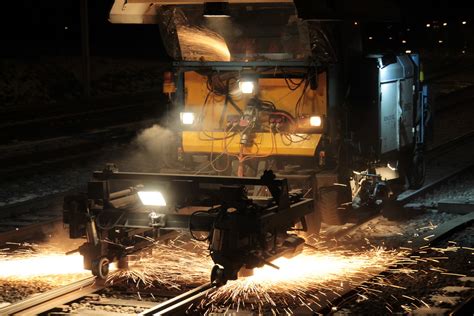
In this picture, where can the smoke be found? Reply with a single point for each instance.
(153, 150)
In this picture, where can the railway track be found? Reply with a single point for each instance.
(32, 219)
(46, 301)
(55, 300)
(444, 162)
(179, 304)
(182, 302)
(418, 247)
(332, 299)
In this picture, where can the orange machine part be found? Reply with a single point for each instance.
(207, 136)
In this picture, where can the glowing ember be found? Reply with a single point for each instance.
(309, 280)
(299, 267)
(48, 262)
(174, 265)
(303, 280)
(201, 44)
(41, 265)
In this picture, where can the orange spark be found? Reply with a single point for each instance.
(304, 278)
(202, 44)
(38, 265)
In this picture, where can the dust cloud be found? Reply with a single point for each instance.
(155, 149)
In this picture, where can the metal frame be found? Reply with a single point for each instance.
(240, 65)
(236, 226)
(278, 186)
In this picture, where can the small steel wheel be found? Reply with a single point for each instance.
(218, 276)
(100, 267)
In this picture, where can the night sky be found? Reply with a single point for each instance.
(52, 27)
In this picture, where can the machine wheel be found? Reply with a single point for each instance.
(416, 171)
(218, 276)
(100, 267)
(328, 204)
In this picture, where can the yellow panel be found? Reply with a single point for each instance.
(265, 144)
(269, 89)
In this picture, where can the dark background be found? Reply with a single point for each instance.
(52, 27)
(40, 40)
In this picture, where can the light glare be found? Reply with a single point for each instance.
(152, 198)
(216, 15)
(315, 121)
(41, 265)
(187, 118)
(246, 87)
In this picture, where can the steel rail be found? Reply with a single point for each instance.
(408, 196)
(464, 308)
(178, 305)
(449, 145)
(45, 301)
(459, 142)
(48, 208)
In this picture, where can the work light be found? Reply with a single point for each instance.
(247, 87)
(248, 82)
(187, 118)
(315, 121)
(151, 198)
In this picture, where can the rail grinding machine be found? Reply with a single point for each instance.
(243, 231)
(253, 87)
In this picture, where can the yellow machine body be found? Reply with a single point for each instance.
(208, 136)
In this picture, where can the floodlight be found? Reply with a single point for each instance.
(151, 198)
